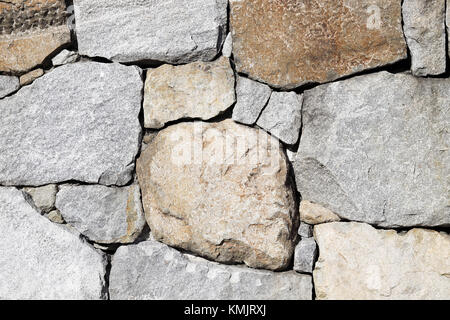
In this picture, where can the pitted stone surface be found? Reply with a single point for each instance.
(42, 260)
(173, 31)
(103, 214)
(290, 43)
(358, 262)
(375, 149)
(78, 122)
(424, 27)
(30, 30)
(221, 190)
(197, 90)
(153, 271)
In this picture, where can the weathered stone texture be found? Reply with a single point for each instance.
(375, 149)
(78, 122)
(43, 197)
(314, 213)
(196, 90)
(290, 43)
(282, 116)
(358, 261)
(103, 214)
(252, 97)
(424, 28)
(152, 270)
(305, 255)
(173, 31)
(64, 57)
(30, 76)
(8, 84)
(221, 190)
(30, 31)
(42, 260)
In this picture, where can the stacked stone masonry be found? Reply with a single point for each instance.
(224, 149)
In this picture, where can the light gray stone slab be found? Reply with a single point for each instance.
(252, 97)
(8, 84)
(103, 214)
(375, 149)
(43, 260)
(305, 255)
(282, 116)
(227, 48)
(78, 122)
(173, 31)
(305, 230)
(424, 28)
(152, 270)
(64, 57)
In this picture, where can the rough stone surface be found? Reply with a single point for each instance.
(196, 90)
(251, 97)
(424, 28)
(55, 216)
(8, 84)
(283, 116)
(42, 260)
(305, 255)
(249, 212)
(78, 122)
(290, 43)
(64, 57)
(43, 197)
(313, 213)
(305, 230)
(375, 149)
(359, 262)
(173, 31)
(30, 76)
(227, 49)
(30, 31)
(103, 214)
(152, 270)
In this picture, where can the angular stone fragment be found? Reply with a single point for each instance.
(283, 116)
(30, 76)
(305, 230)
(251, 97)
(55, 216)
(313, 213)
(43, 197)
(196, 90)
(424, 28)
(173, 31)
(42, 260)
(30, 31)
(78, 122)
(305, 255)
(103, 214)
(290, 43)
(64, 57)
(227, 48)
(153, 271)
(358, 261)
(221, 190)
(375, 149)
(8, 84)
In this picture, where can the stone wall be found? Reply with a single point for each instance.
(215, 149)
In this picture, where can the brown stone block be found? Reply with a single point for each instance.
(30, 31)
(288, 43)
